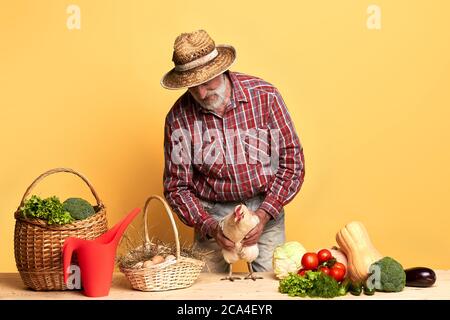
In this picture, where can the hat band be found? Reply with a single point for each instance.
(198, 62)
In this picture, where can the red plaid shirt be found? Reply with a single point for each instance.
(254, 105)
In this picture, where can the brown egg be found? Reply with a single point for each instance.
(157, 259)
(148, 264)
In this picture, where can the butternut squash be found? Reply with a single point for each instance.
(354, 241)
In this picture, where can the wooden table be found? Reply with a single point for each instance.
(209, 287)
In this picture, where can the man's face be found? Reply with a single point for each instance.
(210, 95)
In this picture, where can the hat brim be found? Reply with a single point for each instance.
(201, 74)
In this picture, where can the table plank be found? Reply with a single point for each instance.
(209, 287)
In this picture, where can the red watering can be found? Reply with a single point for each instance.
(96, 258)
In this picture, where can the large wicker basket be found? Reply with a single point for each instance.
(38, 246)
(179, 273)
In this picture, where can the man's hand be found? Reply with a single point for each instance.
(253, 236)
(222, 240)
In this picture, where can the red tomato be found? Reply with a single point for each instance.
(340, 266)
(337, 273)
(325, 270)
(324, 255)
(310, 261)
(301, 272)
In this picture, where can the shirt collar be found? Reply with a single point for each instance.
(238, 91)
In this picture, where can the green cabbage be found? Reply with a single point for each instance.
(287, 258)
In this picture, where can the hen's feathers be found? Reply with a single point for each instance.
(236, 231)
(249, 254)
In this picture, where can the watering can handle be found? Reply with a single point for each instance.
(172, 221)
(67, 251)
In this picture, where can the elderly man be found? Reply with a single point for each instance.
(229, 140)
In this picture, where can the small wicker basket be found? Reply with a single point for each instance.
(38, 246)
(176, 274)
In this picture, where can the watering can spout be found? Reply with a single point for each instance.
(96, 257)
(114, 235)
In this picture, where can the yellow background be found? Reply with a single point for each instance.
(371, 108)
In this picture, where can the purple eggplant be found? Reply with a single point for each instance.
(420, 277)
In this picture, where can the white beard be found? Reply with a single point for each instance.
(220, 92)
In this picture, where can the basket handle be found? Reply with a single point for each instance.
(57, 170)
(172, 221)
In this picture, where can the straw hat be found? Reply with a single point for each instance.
(197, 60)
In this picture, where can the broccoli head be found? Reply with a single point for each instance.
(386, 275)
(78, 208)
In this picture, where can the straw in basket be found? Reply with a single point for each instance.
(176, 274)
(38, 246)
